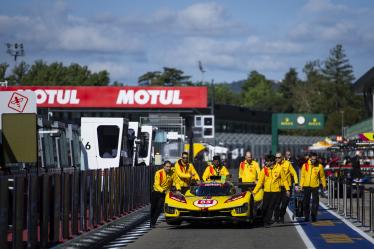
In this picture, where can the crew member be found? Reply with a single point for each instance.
(356, 173)
(249, 170)
(162, 183)
(184, 173)
(280, 209)
(271, 178)
(312, 176)
(215, 169)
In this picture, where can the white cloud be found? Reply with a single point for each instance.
(325, 21)
(323, 6)
(90, 38)
(236, 55)
(116, 70)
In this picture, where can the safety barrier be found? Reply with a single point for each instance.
(39, 208)
(353, 200)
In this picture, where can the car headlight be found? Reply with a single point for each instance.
(169, 210)
(242, 209)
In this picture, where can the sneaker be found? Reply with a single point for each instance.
(152, 225)
(306, 219)
(267, 225)
(314, 219)
(281, 220)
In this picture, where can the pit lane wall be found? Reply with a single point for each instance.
(44, 207)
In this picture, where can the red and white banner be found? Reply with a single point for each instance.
(117, 97)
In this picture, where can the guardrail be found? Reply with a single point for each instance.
(352, 200)
(40, 208)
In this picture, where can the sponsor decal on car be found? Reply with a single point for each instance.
(205, 203)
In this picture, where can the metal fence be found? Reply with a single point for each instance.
(39, 208)
(353, 200)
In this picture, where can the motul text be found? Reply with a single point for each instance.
(153, 97)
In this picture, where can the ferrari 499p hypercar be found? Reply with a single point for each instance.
(211, 201)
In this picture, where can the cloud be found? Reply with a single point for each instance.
(325, 21)
(323, 6)
(238, 55)
(116, 70)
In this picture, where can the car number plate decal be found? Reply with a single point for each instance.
(205, 203)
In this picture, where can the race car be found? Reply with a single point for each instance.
(212, 201)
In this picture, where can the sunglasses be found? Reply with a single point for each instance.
(185, 158)
(278, 157)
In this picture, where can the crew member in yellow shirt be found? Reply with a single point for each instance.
(215, 169)
(289, 171)
(271, 178)
(249, 170)
(162, 182)
(312, 176)
(184, 173)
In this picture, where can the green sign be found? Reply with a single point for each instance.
(300, 121)
(287, 121)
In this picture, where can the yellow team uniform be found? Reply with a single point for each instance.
(249, 172)
(182, 175)
(272, 179)
(163, 181)
(312, 176)
(211, 170)
(288, 171)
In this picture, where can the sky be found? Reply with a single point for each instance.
(230, 38)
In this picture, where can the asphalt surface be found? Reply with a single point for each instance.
(217, 236)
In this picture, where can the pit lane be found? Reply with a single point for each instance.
(220, 235)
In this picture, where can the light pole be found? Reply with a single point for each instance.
(202, 71)
(15, 50)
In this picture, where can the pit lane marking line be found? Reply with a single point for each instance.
(308, 243)
(348, 223)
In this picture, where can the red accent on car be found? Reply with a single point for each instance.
(177, 197)
(236, 197)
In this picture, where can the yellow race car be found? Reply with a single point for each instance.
(211, 201)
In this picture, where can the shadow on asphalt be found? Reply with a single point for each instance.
(222, 225)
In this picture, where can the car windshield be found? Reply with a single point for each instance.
(213, 190)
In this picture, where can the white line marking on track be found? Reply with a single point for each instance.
(348, 223)
(301, 232)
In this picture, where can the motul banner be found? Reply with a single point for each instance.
(117, 97)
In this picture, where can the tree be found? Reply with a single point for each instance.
(337, 68)
(258, 93)
(338, 91)
(338, 72)
(224, 95)
(40, 73)
(150, 78)
(3, 68)
(287, 89)
(169, 76)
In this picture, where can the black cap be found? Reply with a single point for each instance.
(269, 158)
(217, 158)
